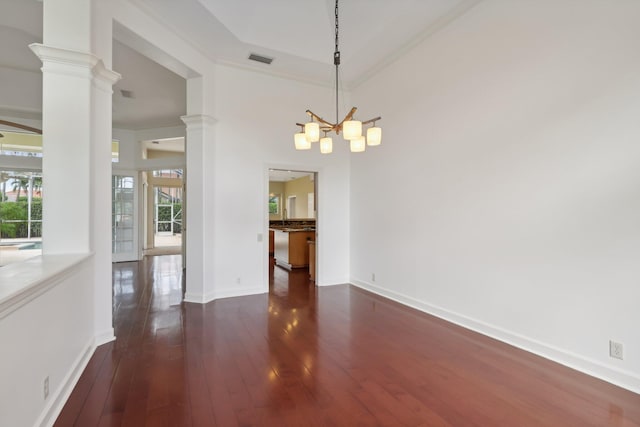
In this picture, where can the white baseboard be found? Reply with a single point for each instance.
(621, 378)
(60, 396)
(229, 292)
(195, 298)
(104, 337)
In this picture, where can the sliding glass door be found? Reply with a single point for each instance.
(124, 213)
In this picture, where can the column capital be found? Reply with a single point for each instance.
(197, 121)
(66, 60)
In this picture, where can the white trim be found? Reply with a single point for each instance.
(104, 337)
(224, 293)
(66, 60)
(198, 121)
(619, 377)
(61, 395)
(135, 251)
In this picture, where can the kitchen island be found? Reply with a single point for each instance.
(290, 247)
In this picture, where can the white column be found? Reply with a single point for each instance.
(101, 202)
(76, 124)
(199, 216)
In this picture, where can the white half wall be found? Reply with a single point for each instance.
(47, 336)
(506, 194)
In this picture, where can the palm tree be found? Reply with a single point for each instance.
(20, 184)
(3, 178)
(37, 185)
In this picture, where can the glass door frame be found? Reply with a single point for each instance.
(135, 253)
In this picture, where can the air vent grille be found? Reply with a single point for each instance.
(260, 58)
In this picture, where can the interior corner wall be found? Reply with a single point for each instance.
(256, 116)
(506, 194)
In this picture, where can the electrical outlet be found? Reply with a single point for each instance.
(238, 280)
(615, 350)
(46, 387)
(373, 277)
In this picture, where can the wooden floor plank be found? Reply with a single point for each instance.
(307, 356)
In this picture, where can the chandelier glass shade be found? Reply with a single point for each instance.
(326, 145)
(350, 127)
(374, 136)
(301, 141)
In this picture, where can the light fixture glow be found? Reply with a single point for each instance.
(326, 145)
(358, 145)
(351, 128)
(374, 136)
(301, 141)
(312, 130)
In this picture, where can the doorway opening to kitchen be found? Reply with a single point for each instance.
(293, 230)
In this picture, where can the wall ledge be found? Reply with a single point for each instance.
(25, 281)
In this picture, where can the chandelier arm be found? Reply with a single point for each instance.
(372, 120)
(320, 119)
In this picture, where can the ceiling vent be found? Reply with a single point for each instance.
(127, 93)
(260, 58)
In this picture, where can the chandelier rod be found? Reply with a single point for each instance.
(336, 62)
(349, 126)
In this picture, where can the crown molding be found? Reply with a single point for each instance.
(196, 121)
(455, 13)
(76, 59)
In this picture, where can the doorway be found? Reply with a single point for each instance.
(168, 216)
(163, 219)
(292, 218)
(291, 207)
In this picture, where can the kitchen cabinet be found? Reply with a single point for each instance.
(271, 242)
(291, 248)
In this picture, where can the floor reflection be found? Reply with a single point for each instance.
(302, 355)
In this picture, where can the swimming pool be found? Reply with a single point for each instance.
(31, 245)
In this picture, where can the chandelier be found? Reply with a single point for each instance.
(351, 129)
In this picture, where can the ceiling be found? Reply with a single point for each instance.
(174, 145)
(298, 35)
(279, 175)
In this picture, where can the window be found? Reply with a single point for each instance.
(20, 215)
(274, 204)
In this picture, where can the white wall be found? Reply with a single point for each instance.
(131, 153)
(506, 194)
(256, 116)
(45, 338)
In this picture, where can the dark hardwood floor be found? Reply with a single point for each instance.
(301, 356)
